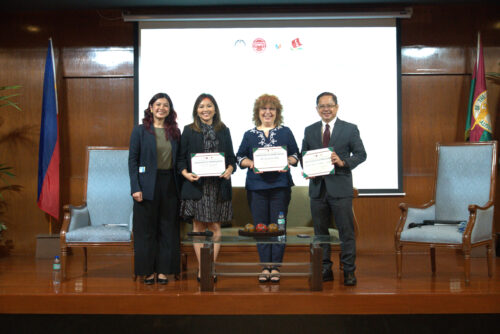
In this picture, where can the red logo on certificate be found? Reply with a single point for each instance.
(259, 45)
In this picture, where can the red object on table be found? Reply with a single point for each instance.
(261, 228)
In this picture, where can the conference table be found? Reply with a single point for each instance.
(313, 268)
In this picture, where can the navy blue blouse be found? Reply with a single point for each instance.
(279, 136)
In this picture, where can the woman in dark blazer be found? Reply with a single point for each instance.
(154, 184)
(207, 200)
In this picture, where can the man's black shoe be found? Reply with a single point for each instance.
(327, 275)
(350, 279)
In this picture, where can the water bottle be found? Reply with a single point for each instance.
(281, 225)
(281, 221)
(56, 271)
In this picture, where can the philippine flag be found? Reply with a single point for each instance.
(48, 153)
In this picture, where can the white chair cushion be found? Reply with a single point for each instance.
(433, 234)
(99, 233)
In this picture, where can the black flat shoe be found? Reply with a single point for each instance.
(162, 281)
(149, 281)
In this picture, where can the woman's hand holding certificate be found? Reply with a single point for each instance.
(317, 162)
(208, 164)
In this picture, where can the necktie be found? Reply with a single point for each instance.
(326, 135)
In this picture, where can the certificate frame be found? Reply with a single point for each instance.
(208, 164)
(317, 162)
(270, 159)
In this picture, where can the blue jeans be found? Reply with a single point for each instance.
(265, 206)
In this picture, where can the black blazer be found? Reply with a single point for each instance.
(348, 145)
(192, 142)
(142, 153)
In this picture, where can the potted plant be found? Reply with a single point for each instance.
(5, 170)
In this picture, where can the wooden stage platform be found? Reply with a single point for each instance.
(107, 288)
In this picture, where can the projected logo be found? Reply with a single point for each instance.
(296, 45)
(240, 44)
(259, 45)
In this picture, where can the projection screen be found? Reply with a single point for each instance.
(237, 61)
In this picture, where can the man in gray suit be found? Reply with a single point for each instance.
(332, 194)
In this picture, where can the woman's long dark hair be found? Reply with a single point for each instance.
(170, 125)
(216, 121)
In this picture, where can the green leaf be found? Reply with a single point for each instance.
(6, 97)
(12, 104)
(10, 87)
(6, 170)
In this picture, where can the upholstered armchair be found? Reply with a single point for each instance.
(105, 218)
(464, 192)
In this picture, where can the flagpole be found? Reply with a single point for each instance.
(50, 225)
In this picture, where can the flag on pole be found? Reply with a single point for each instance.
(48, 152)
(478, 124)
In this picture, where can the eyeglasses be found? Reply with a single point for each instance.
(326, 106)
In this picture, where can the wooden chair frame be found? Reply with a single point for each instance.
(466, 244)
(67, 209)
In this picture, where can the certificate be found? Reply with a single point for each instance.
(270, 159)
(208, 164)
(317, 162)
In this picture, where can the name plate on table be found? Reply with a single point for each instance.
(208, 164)
(270, 159)
(317, 162)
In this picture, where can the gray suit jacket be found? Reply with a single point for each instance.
(348, 145)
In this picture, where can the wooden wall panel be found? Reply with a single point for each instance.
(23, 218)
(97, 62)
(435, 60)
(68, 29)
(446, 60)
(99, 112)
(451, 25)
(78, 38)
(434, 109)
